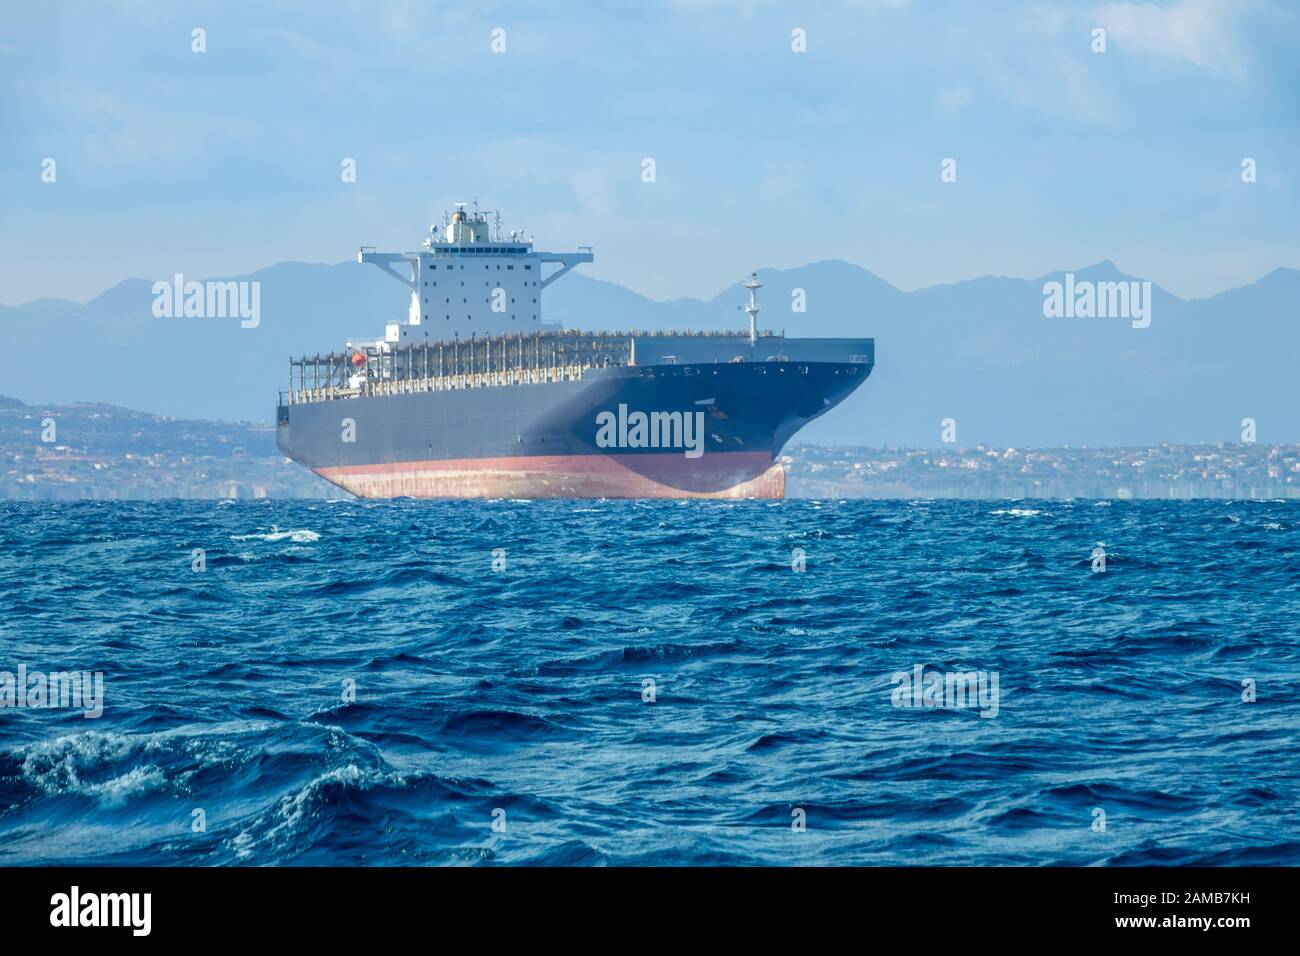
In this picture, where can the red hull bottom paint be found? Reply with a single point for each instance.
(718, 475)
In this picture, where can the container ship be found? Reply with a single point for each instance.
(473, 396)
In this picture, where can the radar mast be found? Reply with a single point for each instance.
(753, 285)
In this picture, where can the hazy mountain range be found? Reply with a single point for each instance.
(979, 351)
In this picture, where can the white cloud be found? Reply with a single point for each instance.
(953, 100)
(596, 192)
(1045, 82)
(1200, 32)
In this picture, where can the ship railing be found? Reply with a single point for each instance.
(455, 382)
(439, 383)
(381, 368)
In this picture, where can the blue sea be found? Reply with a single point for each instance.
(611, 683)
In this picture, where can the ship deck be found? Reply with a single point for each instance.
(502, 360)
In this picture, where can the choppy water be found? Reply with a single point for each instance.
(521, 690)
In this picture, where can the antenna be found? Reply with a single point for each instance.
(753, 285)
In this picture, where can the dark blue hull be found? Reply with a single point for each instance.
(712, 428)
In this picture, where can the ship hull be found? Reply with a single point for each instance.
(666, 475)
(544, 440)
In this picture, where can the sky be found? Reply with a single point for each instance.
(217, 163)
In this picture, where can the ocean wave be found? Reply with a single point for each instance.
(297, 536)
(653, 683)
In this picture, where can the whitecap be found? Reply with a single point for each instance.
(297, 536)
(117, 791)
(63, 766)
(285, 819)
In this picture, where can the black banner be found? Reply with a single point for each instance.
(330, 905)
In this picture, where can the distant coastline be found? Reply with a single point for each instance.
(103, 452)
(1166, 471)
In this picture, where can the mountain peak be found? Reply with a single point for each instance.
(1104, 271)
(979, 346)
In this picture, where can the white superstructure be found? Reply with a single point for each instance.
(470, 279)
